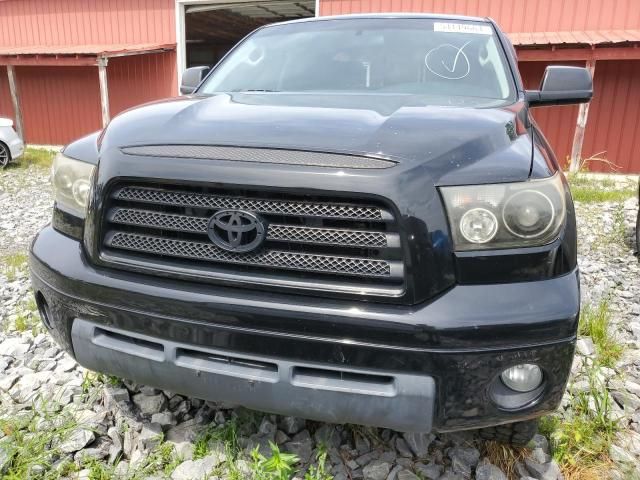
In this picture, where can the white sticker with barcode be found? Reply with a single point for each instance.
(462, 28)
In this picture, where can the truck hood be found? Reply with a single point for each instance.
(457, 144)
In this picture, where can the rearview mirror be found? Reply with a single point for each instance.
(191, 78)
(562, 86)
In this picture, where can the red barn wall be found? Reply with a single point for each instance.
(6, 107)
(62, 103)
(613, 128)
(82, 22)
(512, 15)
(139, 79)
(59, 104)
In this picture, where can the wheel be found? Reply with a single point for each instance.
(518, 434)
(5, 155)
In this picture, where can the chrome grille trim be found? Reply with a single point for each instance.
(166, 221)
(260, 155)
(199, 200)
(276, 232)
(353, 266)
(327, 236)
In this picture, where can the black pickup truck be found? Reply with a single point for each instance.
(348, 219)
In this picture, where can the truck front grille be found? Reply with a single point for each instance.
(311, 241)
(271, 258)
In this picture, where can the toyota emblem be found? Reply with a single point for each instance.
(236, 230)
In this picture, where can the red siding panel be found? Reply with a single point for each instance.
(512, 15)
(613, 126)
(139, 79)
(557, 123)
(6, 107)
(59, 104)
(78, 22)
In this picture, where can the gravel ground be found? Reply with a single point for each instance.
(90, 423)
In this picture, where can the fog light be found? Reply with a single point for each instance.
(522, 378)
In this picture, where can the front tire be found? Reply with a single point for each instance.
(517, 434)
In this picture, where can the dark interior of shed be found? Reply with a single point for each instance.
(211, 30)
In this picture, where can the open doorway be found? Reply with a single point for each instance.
(212, 29)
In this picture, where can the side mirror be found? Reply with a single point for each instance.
(562, 86)
(191, 78)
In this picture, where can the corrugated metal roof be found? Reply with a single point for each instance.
(110, 50)
(578, 37)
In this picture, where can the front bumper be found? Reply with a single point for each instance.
(403, 367)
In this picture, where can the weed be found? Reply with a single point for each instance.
(98, 470)
(277, 467)
(161, 459)
(22, 323)
(30, 304)
(13, 265)
(226, 434)
(595, 323)
(581, 440)
(28, 317)
(318, 471)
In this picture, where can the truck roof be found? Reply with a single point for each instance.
(384, 15)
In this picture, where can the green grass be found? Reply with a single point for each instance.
(582, 436)
(587, 189)
(27, 318)
(162, 461)
(13, 264)
(35, 157)
(619, 232)
(33, 441)
(27, 321)
(226, 434)
(595, 195)
(276, 466)
(595, 322)
(581, 439)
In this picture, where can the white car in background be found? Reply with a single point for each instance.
(11, 145)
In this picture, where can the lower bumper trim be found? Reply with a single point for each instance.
(402, 402)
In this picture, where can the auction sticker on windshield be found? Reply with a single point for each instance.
(462, 28)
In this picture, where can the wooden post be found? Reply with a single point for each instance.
(15, 99)
(104, 90)
(581, 125)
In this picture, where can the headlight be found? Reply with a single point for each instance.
(72, 183)
(507, 214)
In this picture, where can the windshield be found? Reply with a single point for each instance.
(445, 60)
